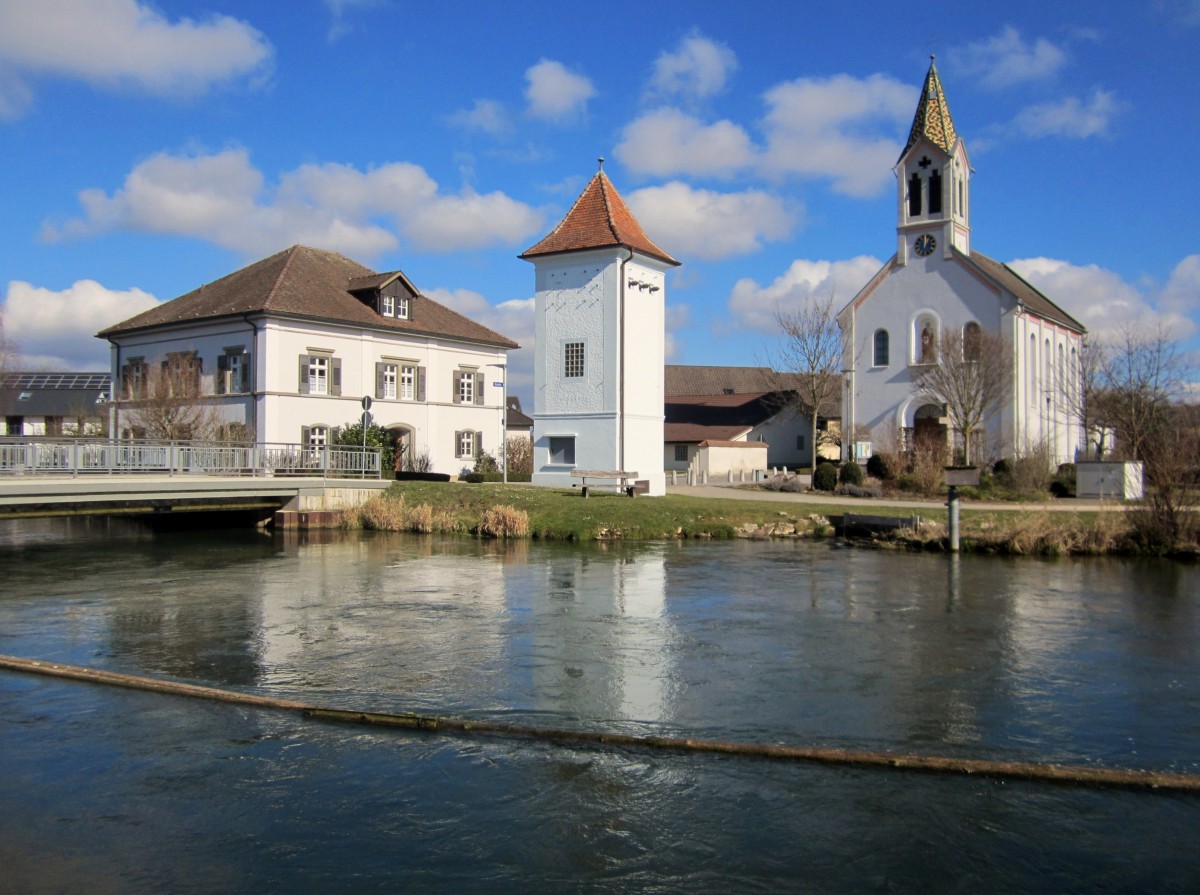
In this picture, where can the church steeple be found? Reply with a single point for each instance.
(933, 174)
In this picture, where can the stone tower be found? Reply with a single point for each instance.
(599, 344)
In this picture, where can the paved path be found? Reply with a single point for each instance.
(1069, 505)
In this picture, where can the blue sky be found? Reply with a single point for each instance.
(146, 148)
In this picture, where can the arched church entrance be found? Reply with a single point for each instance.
(928, 430)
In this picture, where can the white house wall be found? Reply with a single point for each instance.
(577, 301)
(282, 411)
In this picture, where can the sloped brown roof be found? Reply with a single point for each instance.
(308, 283)
(598, 219)
(716, 442)
(733, 387)
(696, 433)
(1027, 294)
(932, 121)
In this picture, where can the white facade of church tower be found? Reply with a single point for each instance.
(599, 344)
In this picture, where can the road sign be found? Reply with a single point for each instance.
(366, 422)
(498, 384)
(366, 402)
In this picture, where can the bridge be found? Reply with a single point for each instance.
(73, 476)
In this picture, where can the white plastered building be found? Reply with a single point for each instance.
(937, 281)
(286, 349)
(599, 343)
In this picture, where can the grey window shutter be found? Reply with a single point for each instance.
(478, 444)
(335, 376)
(379, 380)
(304, 433)
(244, 382)
(457, 388)
(458, 445)
(478, 388)
(222, 374)
(420, 383)
(304, 374)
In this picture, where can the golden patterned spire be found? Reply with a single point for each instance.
(932, 121)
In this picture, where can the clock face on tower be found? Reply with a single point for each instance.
(925, 244)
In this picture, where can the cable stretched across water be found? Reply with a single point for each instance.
(1111, 778)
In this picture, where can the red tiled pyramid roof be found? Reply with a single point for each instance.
(598, 219)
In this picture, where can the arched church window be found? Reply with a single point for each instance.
(971, 337)
(880, 358)
(935, 192)
(914, 195)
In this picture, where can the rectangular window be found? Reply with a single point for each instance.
(318, 436)
(408, 383)
(237, 373)
(799, 442)
(133, 378)
(233, 372)
(318, 375)
(386, 386)
(466, 389)
(562, 450)
(402, 307)
(467, 444)
(681, 453)
(573, 360)
(387, 305)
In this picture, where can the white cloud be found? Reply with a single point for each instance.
(486, 115)
(686, 221)
(338, 9)
(1071, 117)
(1104, 303)
(754, 307)
(556, 94)
(668, 142)
(513, 319)
(699, 67)
(222, 198)
(841, 128)
(123, 44)
(56, 330)
(1007, 59)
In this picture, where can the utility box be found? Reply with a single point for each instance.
(1109, 480)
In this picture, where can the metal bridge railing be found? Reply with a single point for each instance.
(81, 456)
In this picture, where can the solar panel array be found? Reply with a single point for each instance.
(55, 380)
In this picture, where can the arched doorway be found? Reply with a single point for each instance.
(402, 436)
(928, 429)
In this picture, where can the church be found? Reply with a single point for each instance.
(935, 283)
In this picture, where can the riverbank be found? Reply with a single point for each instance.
(496, 510)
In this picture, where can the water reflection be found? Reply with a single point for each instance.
(1089, 661)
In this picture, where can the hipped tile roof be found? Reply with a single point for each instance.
(312, 284)
(598, 219)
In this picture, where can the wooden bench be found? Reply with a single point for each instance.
(622, 482)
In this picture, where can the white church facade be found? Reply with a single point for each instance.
(936, 283)
(599, 344)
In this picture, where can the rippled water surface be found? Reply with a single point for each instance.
(106, 790)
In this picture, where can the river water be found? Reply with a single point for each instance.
(103, 790)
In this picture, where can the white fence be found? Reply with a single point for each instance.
(80, 456)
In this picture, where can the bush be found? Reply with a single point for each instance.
(860, 490)
(504, 522)
(825, 477)
(476, 477)
(485, 463)
(850, 474)
(883, 466)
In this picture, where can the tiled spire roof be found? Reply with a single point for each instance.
(932, 121)
(598, 219)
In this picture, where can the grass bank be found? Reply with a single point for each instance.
(496, 510)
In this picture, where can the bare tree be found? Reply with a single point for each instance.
(8, 351)
(811, 349)
(1140, 378)
(972, 377)
(1080, 393)
(168, 403)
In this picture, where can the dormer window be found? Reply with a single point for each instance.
(387, 305)
(403, 307)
